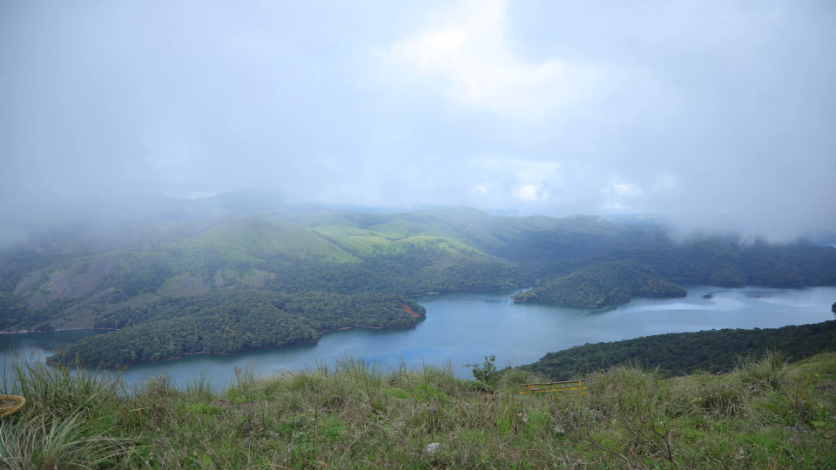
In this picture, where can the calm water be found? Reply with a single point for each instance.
(464, 327)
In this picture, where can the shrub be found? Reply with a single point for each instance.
(729, 397)
(486, 372)
(511, 379)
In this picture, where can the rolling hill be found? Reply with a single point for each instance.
(250, 242)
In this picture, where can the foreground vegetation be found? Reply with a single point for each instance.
(672, 354)
(352, 414)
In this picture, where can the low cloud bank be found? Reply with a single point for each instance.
(718, 114)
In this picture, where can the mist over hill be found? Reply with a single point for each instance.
(707, 113)
(124, 261)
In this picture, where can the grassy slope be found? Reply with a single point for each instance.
(470, 226)
(823, 364)
(355, 415)
(255, 238)
(392, 239)
(191, 247)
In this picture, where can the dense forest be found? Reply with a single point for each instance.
(677, 354)
(129, 275)
(233, 321)
(605, 283)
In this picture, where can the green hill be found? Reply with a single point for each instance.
(605, 283)
(253, 240)
(74, 284)
(234, 321)
(712, 351)
(257, 238)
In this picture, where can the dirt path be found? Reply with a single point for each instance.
(411, 312)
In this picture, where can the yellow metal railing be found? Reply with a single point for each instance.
(568, 387)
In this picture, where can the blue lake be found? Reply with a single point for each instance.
(463, 327)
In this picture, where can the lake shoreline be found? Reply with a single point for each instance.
(466, 326)
(742, 286)
(408, 309)
(526, 286)
(24, 332)
(605, 303)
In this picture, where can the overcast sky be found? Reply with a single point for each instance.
(705, 110)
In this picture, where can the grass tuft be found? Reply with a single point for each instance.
(60, 390)
(768, 372)
(41, 443)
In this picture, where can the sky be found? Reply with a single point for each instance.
(720, 114)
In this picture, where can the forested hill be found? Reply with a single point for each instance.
(233, 321)
(605, 283)
(86, 279)
(74, 283)
(683, 353)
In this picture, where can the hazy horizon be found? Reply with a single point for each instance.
(718, 114)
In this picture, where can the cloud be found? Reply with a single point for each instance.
(201, 194)
(512, 180)
(718, 113)
(528, 192)
(664, 183)
(471, 55)
(627, 190)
